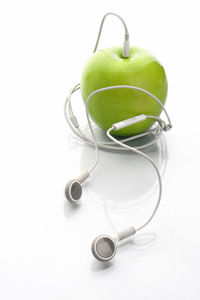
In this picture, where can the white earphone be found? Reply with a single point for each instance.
(104, 247)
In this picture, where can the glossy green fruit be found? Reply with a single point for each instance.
(108, 68)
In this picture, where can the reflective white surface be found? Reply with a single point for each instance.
(45, 241)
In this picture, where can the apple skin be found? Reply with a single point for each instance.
(108, 68)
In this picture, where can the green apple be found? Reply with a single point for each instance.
(108, 68)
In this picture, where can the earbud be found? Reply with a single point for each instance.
(73, 189)
(104, 247)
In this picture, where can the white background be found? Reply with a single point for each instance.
(44, 241)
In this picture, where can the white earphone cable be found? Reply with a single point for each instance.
(153, 164)
(101, 26)
(129, 147)
(126, 146)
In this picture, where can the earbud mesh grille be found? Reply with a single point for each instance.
(76, 190)
(105, 247)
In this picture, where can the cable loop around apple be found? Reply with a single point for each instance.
(72, 121)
